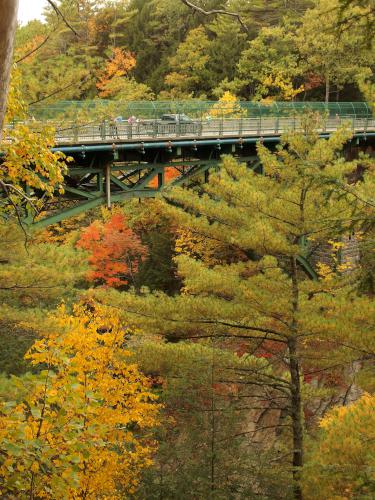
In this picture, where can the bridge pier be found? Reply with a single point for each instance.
(108, 185)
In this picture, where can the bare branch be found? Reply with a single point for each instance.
(31, 52)
(60, 14)
(220, 12)
(280, 337)
(60, 90)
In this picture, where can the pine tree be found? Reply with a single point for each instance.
(267, 301)
(205, 449)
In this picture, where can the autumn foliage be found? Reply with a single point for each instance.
(120, 64)
(80, 428)
(115, 251)
(170, 174)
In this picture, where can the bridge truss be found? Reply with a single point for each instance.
(107, 177)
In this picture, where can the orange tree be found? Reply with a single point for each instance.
(119, 65)
(115, 251)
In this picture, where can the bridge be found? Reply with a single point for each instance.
(133, 150)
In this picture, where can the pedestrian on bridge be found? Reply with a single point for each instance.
(113, 128)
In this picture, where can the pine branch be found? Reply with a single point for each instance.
(267, 331)
(220, 12)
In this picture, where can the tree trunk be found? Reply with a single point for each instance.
(296, 415)
(327, 89)
(8, 24)
(295, 388)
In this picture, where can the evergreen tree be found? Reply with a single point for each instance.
(205, 446)
(267, 300)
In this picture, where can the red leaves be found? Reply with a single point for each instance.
(269, 348)
(115, 251)
(313, 82)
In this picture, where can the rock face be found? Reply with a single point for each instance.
(8, 24)
(348, 255)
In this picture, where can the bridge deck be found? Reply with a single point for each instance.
(155, 130)
(118, 160)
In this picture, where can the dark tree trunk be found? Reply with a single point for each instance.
(296, 415)
(327, 89)
(295, 388)
(8, 24)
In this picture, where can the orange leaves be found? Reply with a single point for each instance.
(170, 173)
(313, 81)
(115, 251)
(120, 64)
(28, 51)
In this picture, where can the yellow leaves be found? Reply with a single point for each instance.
(334, 264)
(34, 467)
(280, 87)
(28, 158)
(345, 447)
(78, 417)
(228, 106)
(324, 271)
(212, 252)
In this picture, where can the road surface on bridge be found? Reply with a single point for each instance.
(155, 130)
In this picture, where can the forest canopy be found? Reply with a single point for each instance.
(192, 318)
(141, 49)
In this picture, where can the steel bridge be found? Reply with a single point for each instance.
(133, 150)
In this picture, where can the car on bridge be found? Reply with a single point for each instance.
(167, 125)
(178, 123)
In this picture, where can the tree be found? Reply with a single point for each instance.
(336, 59)
(114, 251)
(204, 446)
(341, 461)
(269, 66)
(29, 167)
(227, 106)
(357, 15)
(119, 65)
(150, 222)
(79, 428)
(303, 196)
(189, 65)
(223, 53)
(8, 23)
(34, 278)
(128, 89)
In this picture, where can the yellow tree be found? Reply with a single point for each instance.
(28, 164)
(341, 464)
(228, 105)
(78, 429)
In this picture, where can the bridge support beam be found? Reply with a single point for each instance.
(108, 185)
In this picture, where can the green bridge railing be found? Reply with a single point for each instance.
(100, 109)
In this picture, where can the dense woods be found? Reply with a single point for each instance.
(216, 341)
(140, 49)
